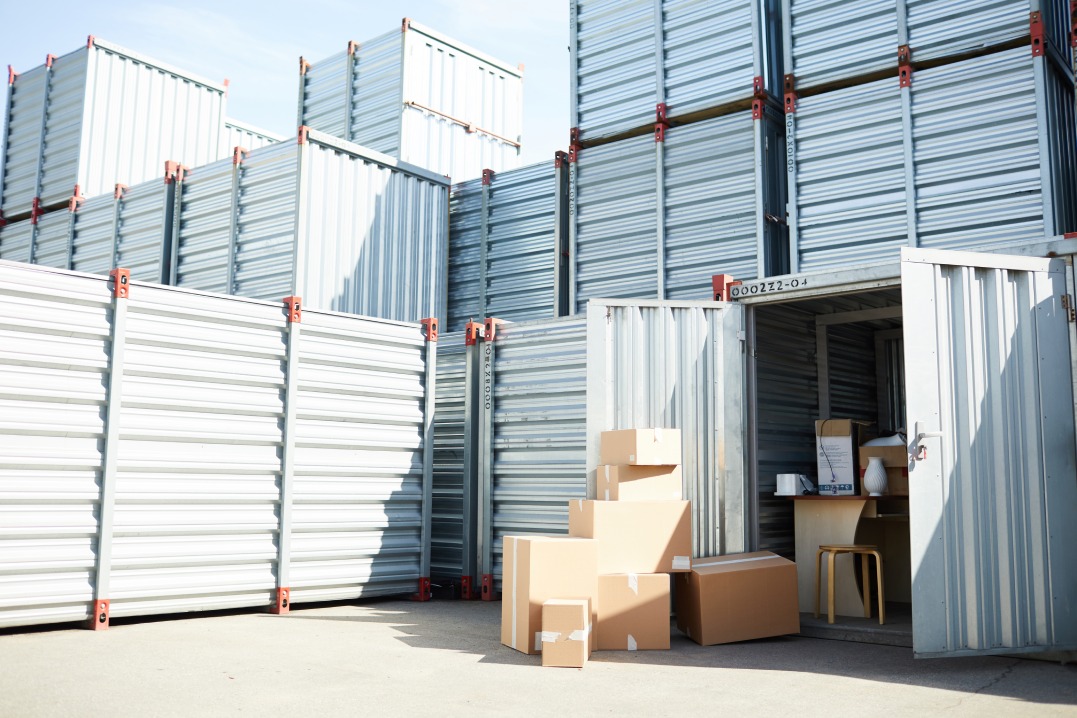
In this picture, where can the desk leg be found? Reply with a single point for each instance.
(882, 600)
(866, 587)
(818, 572)
(830, 587)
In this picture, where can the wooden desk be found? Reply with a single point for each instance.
(849, 520)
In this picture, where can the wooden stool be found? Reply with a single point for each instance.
(864, 550)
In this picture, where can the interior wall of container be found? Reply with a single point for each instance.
(974, 155)
(856, 372)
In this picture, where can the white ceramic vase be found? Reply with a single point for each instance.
(875, 477)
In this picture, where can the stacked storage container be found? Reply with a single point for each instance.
(509, 244)
(678, 147)
(421, 97)
(931, 124)
(249, 137)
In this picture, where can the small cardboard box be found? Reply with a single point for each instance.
(536, 569)
(836, 463)
(633, 612)
(639, 483)
(566, 632)
(635, 536)
(738, 598)
(640, 447)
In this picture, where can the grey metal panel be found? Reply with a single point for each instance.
(93, 229)
(677, 366)
(143, 232)
(65, 115)
(827, 41)
(375, 101)
(203, 228)
(538, 432)
(199, 453)
(359, 442)
(615, 221)
(322, 99)
(466, 220)
(941, 28)
(54, 338)
(851, 369)
(240, 134)
(15, 241)
(22, 141)
(448, 147)
(264, 202)
(51, 238)
(453, 493)
(993, 498)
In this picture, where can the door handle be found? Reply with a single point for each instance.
(918, 450)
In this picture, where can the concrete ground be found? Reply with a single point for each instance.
(444, 658)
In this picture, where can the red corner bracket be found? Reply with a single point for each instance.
(121, 283)
(303, 65)
(239, 154)
(487, 587)
(424, 594)
(661, 121)
(489, 333)
(304, 134)
(11, 75)
(119, 191)
(283, 603)
(487, 177)
(467, 591)
(99, 619)
(35, 210)
(430, 329)
(560, 159)
(473, 332)
(294, 306)
(904, 66)
(1036, 32)
(789, 84)
(721, 284)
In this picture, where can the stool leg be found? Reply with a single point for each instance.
(882, 599)
(818, 572)
(865, 587)
(830, 588)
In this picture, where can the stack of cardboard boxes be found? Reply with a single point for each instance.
(607, 585)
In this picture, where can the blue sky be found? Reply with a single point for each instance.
(256, 45)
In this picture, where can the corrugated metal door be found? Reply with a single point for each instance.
(373, 101)
(533, 451)
(24, 129)
(992, 492)
(467, 235)
(92, 229)
(16, 241)
(677, 366)
(202, 232)
(143, 236)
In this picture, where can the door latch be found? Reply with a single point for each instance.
(919, 452)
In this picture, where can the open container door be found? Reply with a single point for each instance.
(992, 479)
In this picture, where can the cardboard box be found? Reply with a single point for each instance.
(638, 483)
(566, 632)
(633, 612)
(738, 598)
(640, 447)
(536, 569)
(635, 536)
(836, 460)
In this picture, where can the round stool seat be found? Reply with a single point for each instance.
(865, 551)
(848, 547)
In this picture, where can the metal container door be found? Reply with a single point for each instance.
(991, 430)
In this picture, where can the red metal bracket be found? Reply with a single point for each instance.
(225, 83)
(472, 333)
(721, 284)
(304, 134)
(75, 201)
(759, 91)
(239, 154)
(904, 66)
(294, 305)
(121, 283)
(99, 619)
(757, 109)
(353, 46)
(303, 66)
(3, 222)
(35, 210)
(119, 191)
(489, 333)
(661, 121)
(1036, 31)
(49, 59)
(488, 587)
(487, 177)
(573, 155)
(11, 75)
(560, 159)
(405, 24)
(175, 171)
(90, 39)
(424, 594)
(467, 592)
(430, 329)
(284, 602)
(789, 89)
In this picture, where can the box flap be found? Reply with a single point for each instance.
(737, 562)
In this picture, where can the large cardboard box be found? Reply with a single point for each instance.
(536, 569)
(738, 598)
(633, 612)
(836, 465)
(639, 483)
(640, 447)
(566, 632)
(635, 536)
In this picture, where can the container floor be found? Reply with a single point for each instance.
(897, 631)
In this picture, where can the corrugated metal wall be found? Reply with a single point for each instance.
(93, 227)
(534, 445)
(239, 134)
(678, 366)
(203, 228)
(373, 114)
(467, 235)
(22, 141)
(992, 500)
(183, 451)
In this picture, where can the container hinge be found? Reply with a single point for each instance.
(1037, 34)
(904, 66)
(294, 307)
(121, 283)
(473, 333)
(1071, 311)
(661, 121)
(430, 329)
(489, 333)
(789, 84)
(773, 218)
(721, 284)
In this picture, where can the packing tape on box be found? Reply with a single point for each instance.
(631, 458)
(736, 560)
(607, 494)
(631, 642)
(681, 562)
(579, 504)
(551, 636)
(633, 583)
(580, 634)
(515, 573)
(538, 640)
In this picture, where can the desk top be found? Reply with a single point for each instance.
(802, 497)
